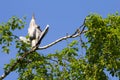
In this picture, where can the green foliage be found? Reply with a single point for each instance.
(102, 53)
(6, 32)
(7, 66)
(104, 40)
(36, 66)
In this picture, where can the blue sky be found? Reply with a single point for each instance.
(63, 16)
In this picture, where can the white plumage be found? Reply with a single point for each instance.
(34, 32)
(24, 39)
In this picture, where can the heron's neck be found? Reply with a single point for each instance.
(32, 22)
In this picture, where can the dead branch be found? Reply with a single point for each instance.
(60, 39)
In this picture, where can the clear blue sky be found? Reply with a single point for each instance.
(63, 16)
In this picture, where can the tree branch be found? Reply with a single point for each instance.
(61, 39)
(19, 59)
(74, 35)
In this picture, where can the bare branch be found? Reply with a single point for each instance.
(79, 28)
(60, 39)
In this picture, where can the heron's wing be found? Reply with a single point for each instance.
(44, 32)
(32, 29)
(32, 32)
(38, 32)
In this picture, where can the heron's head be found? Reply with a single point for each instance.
(33, 16)
(32, 22)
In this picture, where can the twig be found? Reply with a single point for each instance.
(78, 30)
(60, 39)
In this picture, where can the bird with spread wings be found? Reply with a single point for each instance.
(35, 33)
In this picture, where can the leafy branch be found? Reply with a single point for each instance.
(74, 35)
